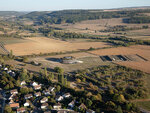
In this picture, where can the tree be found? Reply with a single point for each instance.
(119, 110)
(7, 109)
(24, 90)
(59, 70)
(58, 88)
(25, 59)
(45, 72)
(78, 80)
(89, 102)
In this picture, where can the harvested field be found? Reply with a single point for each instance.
(38, 45)
(94, 26)
(140, 55)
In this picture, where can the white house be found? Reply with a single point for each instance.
(26, 104)
(37, 87)
(5, 69)
(9, 71)
(44, 100)
(57, 106)
(51, 89)
(28, 96)
(46, 92)
(23, 83)
(71, 104)
(44, 106)
(59, 98)
(37, 94)
(67, 95)
(14, 92)
(34, 84)
(90, 111)
(11, 97)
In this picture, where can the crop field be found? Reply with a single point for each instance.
(143, 52)
(38, 45)
(94, 26)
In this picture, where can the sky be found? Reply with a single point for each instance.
(51, 5)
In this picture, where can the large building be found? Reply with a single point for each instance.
(70, 60)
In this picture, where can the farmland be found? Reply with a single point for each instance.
(143, 51)
(36, 45)
(108, 55)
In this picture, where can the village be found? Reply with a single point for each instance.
(40, 99)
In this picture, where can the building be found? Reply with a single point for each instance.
(14, 92)
(23, 83)
(21, 110)
(37, 87)
(28, 96)
(70, 60)
(38, 94)
(44, 100)
(34, 84)
(44, 106)
(46, 92)
(59, 98)
(57, 106)
(90, 111)
(14, 105)
(82, 106)
(26, 104)
(51, 89)
(71, 104)
(67, 95)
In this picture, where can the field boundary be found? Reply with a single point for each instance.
(3, 48)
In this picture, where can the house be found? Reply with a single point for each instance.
(57, 106)
(9, 71)
(5, 69)
(21, 110)
(34, 84)
(11, 101)
(51, 89)
(37, 94)
(37, 87)
(23, 83)
(44, 106)
(27, 103)
(82, 106)
(90, 111)
(47, 112)
(44, 100)
(65, 111)
(10, 97)
(14, 92)
(59, 98)
(67, 95)
(28, 96)
(46, 92)
(14, 105)
(71, 104)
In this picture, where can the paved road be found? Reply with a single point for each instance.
(2, 101)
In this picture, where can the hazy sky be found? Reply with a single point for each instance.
(48, 5)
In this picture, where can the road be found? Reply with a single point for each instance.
(2, 101)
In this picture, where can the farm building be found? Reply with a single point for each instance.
(70, 60)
